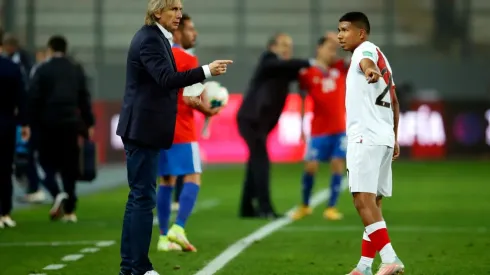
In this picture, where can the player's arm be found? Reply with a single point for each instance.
(370, 70)
(303, 94)
(396, 112)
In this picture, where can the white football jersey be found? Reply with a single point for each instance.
(368, 106)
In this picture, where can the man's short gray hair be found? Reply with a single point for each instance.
(157, 6)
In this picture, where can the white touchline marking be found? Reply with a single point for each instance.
(201, 206)
(89, 250)
(105, 243)
(54, 267)
(232, 251)
(395, 228)
(72, 258)
(56, 243)
(37, 274)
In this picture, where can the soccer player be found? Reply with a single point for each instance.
(372, 131)
(182, 159)
(325, 84)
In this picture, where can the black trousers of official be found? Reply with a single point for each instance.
(256, 186)
(7, 150)
(59, 153)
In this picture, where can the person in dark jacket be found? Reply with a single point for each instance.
(12, 111)
(13, 51)
(59, 103)
(258, 115)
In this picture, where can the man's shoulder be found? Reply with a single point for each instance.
(8, 66)
(366, 49)
(145, 33)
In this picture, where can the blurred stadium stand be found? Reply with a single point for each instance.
(438, 48)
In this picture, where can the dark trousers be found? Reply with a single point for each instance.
(7, 150)
(141, 165)
(256, 184)
(59, 153)
(32, 174)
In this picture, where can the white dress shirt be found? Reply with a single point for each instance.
(168, 35)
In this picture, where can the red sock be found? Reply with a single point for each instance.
(379, 238)
(368, 249)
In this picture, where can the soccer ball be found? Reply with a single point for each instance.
(217, 95)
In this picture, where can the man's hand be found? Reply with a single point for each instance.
(396, 151)
(218, 67)
(192, 101)
(91, 132)
(25, 133)
(372, 75)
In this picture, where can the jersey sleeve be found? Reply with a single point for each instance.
(365, 50)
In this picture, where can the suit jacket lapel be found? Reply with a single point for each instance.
(169, 48)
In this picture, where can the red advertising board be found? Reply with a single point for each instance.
(425, 132)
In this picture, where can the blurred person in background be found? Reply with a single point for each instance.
(34, 193)
(12, 112)
(178, 189)
(258, 115)
(325, 85)
(59, 103)
(183, 158)
(13, 51)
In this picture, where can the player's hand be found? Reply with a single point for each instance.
(25, 133)
(193, 101)
(214, 111)
(303, 137)
(218, 67)
(396, 151)
(372, 75)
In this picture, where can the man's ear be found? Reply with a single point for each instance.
(158, 15)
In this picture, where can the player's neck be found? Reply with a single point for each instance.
(359, 45)
(321, 64)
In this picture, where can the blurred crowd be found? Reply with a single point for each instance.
(45, 116)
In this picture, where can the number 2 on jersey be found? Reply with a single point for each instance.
(389, 84)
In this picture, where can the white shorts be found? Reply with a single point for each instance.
(369, 168)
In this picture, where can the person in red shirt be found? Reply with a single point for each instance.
(183, 158)
(325, 85)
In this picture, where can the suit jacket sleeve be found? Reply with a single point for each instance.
(21, 97)
(156, 64)
(84, 99)
(289, 68)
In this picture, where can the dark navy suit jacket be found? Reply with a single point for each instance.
(152, 82)
(13, 94)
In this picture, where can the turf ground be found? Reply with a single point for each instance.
(439, 222)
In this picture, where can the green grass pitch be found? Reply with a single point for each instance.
(438, 219)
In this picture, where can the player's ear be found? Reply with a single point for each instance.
(362, 34)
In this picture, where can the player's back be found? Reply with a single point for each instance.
(326, 88)
(185, 125)
(368, 106)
